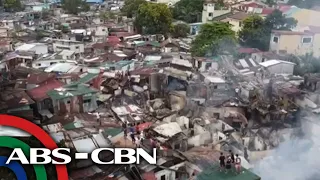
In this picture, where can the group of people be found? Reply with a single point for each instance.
(229, 161)
(134, 132)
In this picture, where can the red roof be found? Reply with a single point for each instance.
(113, 40)
(144, 126)
(39, 77)
(149, 176)
(39, 93)
(253, 4)
(267, 11)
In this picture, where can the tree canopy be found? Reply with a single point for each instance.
(256, 31)
(180, 30)
(12, 5)
(74, 6)
(213, 38)
(130, 7)
(153, 18)
(188, 10)
(254, 34)
(276, 20)
(107, 15)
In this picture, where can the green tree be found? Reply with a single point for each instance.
(219, 5)
(74, 6)
(153, 18)
(107, 15)
(254, 34)
(256, 31)
(188, 10)
(213, 38)
(270, 3)
(130, 7)
(276, 20)
(180, 30)
(12, 5)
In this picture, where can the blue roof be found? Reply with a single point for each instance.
(95, 1)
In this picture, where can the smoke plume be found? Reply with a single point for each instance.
(295, 159)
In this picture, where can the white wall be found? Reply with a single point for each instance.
(281, 68)
(77, 47)
(40, 49)
(207, 8)
(45, 63)
(100, 30)
(214, 65)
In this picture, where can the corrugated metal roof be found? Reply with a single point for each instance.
(39, 93)
(70, 91)
(84, 78)
(91, 143)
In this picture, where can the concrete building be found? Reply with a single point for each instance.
(278, 67)
(209, 12)
(300, 42)
(37, 48)
(236, 20)
(37, 6)
(168, 2)
(63, 44)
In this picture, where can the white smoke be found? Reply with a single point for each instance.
(296, 159)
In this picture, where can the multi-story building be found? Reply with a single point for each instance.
(63, 44)
(296, 42)
(209, 12)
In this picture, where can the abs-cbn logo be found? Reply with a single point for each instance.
(47, 156)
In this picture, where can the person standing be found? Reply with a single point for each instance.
(131, 129)
(238, 164)
(228, 164)
(138, 141)
(125, 130)
(133, 138)
(222, 161)
(231, 156)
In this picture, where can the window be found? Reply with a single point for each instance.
(87, 101)
(275, 39)
(77, 47)
(216, 115)
(306, 40)
(215, 87)
(103, 30)
(53, 63)
(210, 14)
(240, 24)
(39, 64)
(177, 146)
(163, 177)
(208, 65)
